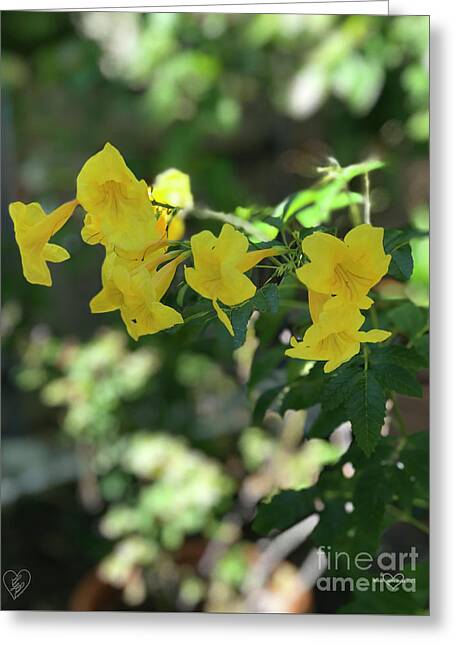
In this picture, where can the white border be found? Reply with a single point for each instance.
(117, 629)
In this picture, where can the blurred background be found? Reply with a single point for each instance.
(126, 467)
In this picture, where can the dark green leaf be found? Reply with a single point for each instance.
(365, 408)
(395, 377)
(399, 354)
(283, 510)
(371, 494)
(266, 299)
(239, 319)
(401, 265)
(338, 383)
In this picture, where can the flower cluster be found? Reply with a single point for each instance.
(138, 227)
(338, 277)
(131, 221)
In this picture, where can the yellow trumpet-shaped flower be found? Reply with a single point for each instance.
(219, 268)
(335, 335)
(136, 288)
(33, 230)
(119, 212)
(174, 188)
(348, 268)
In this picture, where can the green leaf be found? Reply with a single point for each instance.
(283, 510)
(338, 383)
(316, 214)
(401, 265)
(395, 238)
(266, 299)
(395, 377)
(355, 170)
(396, 243)
(422, 347)
(408, 358)
(294, 203)
(239, 319)
(365, 408)
(371, 494)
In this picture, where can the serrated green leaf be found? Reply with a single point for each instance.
(365, 408)
(266, 299)
(239, 319)
(338, 383)
(395, 377)
(399, 354)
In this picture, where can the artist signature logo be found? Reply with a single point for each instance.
(16, 582)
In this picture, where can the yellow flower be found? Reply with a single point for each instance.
(119, 212)
(219, 268)
(335, 335)
(136, 288)
(33, 230)
(173, 187)
(347, 269)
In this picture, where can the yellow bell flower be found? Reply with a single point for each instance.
(173, 187)
(335, 335)
(33, 230)
(136, 288)
(348, 268)
(119, 212)
(219, 268)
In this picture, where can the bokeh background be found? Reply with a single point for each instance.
(249, 106)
